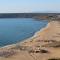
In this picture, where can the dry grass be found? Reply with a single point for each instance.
(7, 53)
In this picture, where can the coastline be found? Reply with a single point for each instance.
(44, 45)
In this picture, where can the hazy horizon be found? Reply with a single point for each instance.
(29, 6)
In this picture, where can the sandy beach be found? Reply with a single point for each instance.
(44, 45)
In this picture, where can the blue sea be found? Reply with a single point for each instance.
(14, 30)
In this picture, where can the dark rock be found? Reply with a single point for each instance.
(43, 51)
(54, 59)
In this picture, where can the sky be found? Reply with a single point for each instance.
(25, 6)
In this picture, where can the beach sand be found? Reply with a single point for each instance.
(44, 45)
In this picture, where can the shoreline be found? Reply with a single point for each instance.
(44, 45)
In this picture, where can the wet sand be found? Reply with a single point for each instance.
(44, 45)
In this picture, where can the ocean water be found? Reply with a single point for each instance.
(14, 30)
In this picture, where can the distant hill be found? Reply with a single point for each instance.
(25, 15)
